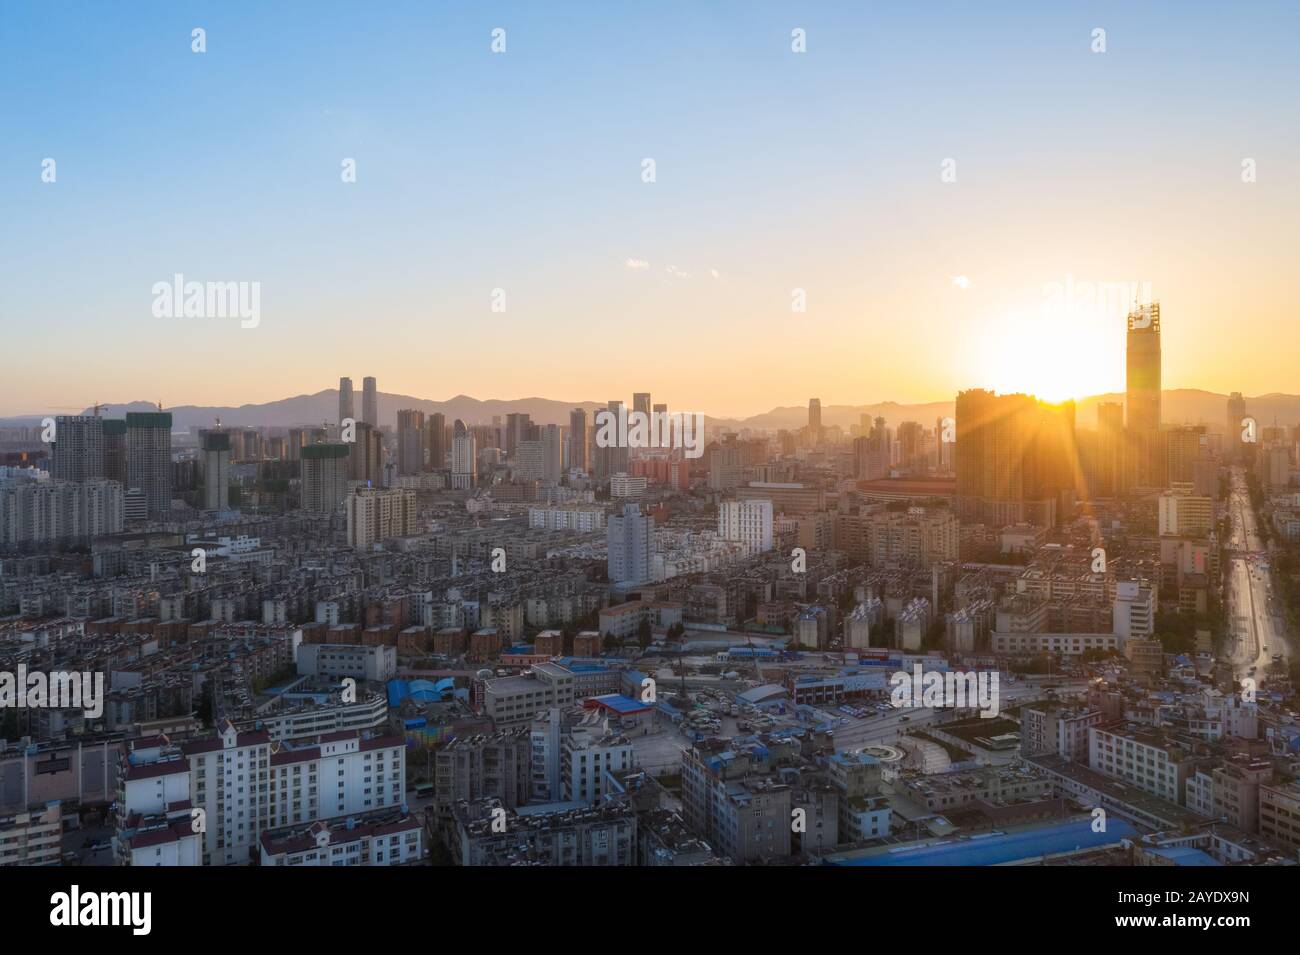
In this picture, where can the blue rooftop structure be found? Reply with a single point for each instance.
(421, 691)
(1000, 848)
(1186, 856)
(623, 705)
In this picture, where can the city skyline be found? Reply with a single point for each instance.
(792, 173)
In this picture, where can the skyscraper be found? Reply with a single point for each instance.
(346, 407)
(149, 459)
(464, 463)
(578, 439)
(410, 441)
(370, 401)
(216, 471)
(1143, 394)
(815, 420)
(78, 448)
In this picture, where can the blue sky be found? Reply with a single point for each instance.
(522, 171)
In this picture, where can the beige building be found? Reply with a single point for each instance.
(376, 515)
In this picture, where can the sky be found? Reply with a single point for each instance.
(1082, 179)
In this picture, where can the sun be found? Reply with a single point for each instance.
(1054, 355)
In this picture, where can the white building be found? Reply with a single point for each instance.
(387, 838)
(630, 541)
(749, 522)
(1134, 611)
(231, 788)
(337, 660)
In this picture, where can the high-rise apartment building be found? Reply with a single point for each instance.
(324, 476)
(366, 456)
(216, 471)
(630, 541)
(149, 459)
(347, 408)
(435, 441)
(376, 515)
(552, 453)
(115, 450)
(410, 441)
(370, 402)
(578, 440)
(78, 448)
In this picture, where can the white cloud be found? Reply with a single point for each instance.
(637, 265)
(961, 281)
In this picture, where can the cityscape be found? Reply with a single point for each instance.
(1010, 579)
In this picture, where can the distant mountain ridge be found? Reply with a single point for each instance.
(1180, 406)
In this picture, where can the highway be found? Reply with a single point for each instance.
(1255, 623)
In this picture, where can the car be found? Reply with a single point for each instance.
(904, 719)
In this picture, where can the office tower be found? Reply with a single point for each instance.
(1143, 394)
(552, 453)
(375, 515)
(1109, 471)
(1236, 411)
(815, 420)
(464, 464)
(630, 541)
(410, 441)
(149, 459)
(435, 442)
(1184, 447)
(216, 471)
(1015, 456)
(346, 407)
(324, 476)
(749, 522)
(370, 402)
(78, 448)
(366, 456)
(115, 450)
(578, 440)
(660, 409)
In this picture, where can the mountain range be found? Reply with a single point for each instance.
(1180, 406)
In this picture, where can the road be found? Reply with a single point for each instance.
(1256, 626)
